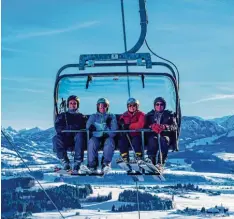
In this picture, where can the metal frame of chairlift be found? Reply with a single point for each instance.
(122, 60)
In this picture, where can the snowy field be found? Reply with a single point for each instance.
(204, 141)
(102, 210)
(225, 156)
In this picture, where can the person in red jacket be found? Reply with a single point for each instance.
(131, 120)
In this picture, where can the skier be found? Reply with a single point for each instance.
(96, 124)
(162, 122)
(132, 119)
(70, 120)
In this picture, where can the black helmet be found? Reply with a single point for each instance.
(160, 99)
(105, 101)
(73, 97)
(134, 101)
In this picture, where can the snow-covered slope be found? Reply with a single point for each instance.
(34, 147)
(221, 119)
(228, 123)
(194, 128)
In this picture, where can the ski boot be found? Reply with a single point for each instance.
(125, 159)
(65, 163)
(106, 168)
(151, 160)
(160, 167)
(76, 166)
(138, 159)
(93, 170)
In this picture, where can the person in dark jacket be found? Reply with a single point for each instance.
(162, 122)
(132, 119)
(70, 120)
(101, 121)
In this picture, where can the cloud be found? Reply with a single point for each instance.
(25, 79)
(8, 49)
(12, 50)
(215, 97)
(24, 90)
(228, 89)
(207, 83)
(49, 32)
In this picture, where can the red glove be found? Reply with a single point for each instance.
(156, 128)
(163, 127)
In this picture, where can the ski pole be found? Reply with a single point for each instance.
(159, 147)
(129, 140)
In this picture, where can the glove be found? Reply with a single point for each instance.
(163, 127)
(108, 122)
(126, 126)
(106, 135)
(121, 122)
(156, 128)
(92, 128)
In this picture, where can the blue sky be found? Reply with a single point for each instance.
(38, 37)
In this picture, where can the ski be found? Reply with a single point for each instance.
(136, 175)
(152, 170)
(85, 170)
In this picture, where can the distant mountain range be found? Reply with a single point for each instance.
(197, 136)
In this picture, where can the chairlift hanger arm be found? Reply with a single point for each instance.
(144, 22)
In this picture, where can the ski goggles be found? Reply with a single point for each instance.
(132, 105)
(104, 104)
(159, 104)
(73, 103)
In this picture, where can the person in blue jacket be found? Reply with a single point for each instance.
(70, 120)
(97, 123)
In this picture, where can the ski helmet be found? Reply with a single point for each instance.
(133, 101)
(105, 101)
(160, 99)
(73, 97)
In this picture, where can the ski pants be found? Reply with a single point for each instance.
(153, 148)
(94, 144)
(124, 144)
(62, 142)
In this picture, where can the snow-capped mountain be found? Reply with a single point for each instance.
(195, 128)
(42, 136)
(11, 131)
(228, 123)
(220, 119)
(34, 147)
(30, 131)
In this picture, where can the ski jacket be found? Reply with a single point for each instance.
(69, 121)
(136, 121)
(103, 122)
(166, 118)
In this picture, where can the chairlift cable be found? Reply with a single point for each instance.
(125, 45)
(146, 43)
(16, 150)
